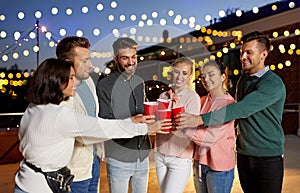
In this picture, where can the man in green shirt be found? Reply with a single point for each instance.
(258, 111)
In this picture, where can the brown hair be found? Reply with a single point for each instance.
(48, 80)
(65, 48)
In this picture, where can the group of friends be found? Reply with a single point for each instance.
(73, 123)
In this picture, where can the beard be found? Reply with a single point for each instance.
(128, 69)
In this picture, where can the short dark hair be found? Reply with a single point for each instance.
(259, 37)
(48, 80)
(65, 47)
(123, 43)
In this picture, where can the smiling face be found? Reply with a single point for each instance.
(70, 89)
(182, 75)
(212, 79)
(82, 63)
(252, 56)
(127, 61)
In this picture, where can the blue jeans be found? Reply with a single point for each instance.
(260, 174)
(121, 173)
(212, 181)
(89, 185)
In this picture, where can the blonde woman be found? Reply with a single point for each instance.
(174, 151)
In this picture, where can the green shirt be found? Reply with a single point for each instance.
(259, 114)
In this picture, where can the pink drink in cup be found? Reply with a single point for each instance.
(150, 108)
(176, 111)
(163, 103)
(164, 114)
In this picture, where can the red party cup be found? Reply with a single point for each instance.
(164, 114)
(176, 111)
(150, 108)
(163, 103)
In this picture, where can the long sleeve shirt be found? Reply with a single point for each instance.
(82, 159)
(259, 112)
(176, 143)
(47, 134)
(120, 98)
(215, 144)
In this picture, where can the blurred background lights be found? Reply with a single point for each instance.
(133, 30)
(48, 35)
(275, 34)
(133, 17)
(225, 50)
(2, 17)
(38, 14)
(144, 16)
(3, 34)
(15, 55)
(192, 19)
(107, 70)
(274, 7)
(207, 18)
(36, 48)
(79, 33)
(238, 13)
(222, 13)
(291, 5)
(116, 32)
(21, 15)
(17, 35)
(272, 67)
(236, 72)
(288, 63)
(5, 58)
(281, 47)
(149, 22)
(154, 14)
(96, 32)
(162, 21)
(293, 46)
(100, 7)
(111, 18)
(43, 29)
(141, 24)
(113, 4)
(69, 11)
(26, 53)
(286, 33)
(62, 32)
(255, 9)
(32, 35)
(122, 17)
(170, 13)
(280, 66)
(184, 21)
(84, 9)
(54, 10)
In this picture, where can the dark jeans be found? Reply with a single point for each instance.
(89, 185)
(260, 174)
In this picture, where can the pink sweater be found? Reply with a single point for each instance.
(215, 144)
(176, 143)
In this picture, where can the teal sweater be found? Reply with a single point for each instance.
(258, 113)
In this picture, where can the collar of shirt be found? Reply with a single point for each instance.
(261, 72)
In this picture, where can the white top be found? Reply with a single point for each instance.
(47, 135)
(82, 159)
